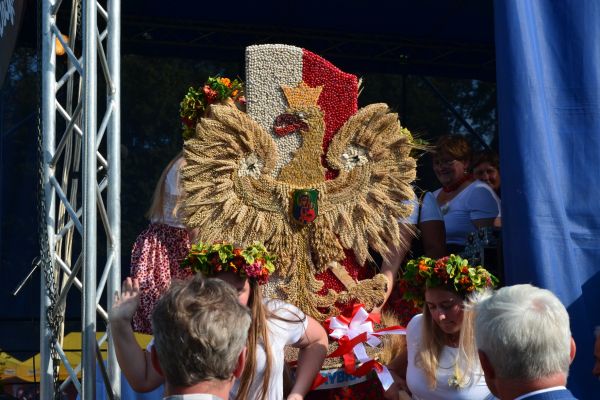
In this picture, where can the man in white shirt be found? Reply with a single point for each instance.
(525, 344)
(200, 333)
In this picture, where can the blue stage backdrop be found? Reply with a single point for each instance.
(548, 75)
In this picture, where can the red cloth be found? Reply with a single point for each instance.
(404, 310)
(371, 390)
(155, 260)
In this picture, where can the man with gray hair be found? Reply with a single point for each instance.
(525, 344)
(200, 333)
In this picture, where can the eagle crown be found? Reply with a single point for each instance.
(302, 95)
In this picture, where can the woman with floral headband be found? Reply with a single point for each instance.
(158, 250)
(442, 360)
(275, 324)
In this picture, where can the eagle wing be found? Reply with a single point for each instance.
(229, 192)
(363, 204)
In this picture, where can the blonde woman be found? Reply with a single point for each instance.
(275, 324)
(442, 360)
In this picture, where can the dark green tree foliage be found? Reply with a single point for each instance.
(426, 115)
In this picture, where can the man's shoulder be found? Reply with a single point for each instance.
(193, 396)
(560, 394)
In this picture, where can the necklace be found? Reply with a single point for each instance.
(452, 187)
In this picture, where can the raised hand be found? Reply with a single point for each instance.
(126, 303)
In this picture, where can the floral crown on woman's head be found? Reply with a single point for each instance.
(450, 272)
(251, 262)
(196, 101)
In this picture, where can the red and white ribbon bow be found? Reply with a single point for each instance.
(351, 335)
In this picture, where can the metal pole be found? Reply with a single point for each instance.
(114, 175)
(48, 66)
(89, 11)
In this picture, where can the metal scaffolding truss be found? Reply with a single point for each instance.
(78, 90)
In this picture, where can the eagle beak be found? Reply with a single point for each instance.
(288, 123)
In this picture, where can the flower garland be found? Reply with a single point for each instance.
(252, 262)
(196, 101)
(451, 272)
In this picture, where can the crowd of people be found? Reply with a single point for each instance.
(216, 337)
(459, 348)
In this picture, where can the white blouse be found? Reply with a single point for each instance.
(417, 381)
(476, 201)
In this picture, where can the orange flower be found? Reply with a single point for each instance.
(465, 270)
(226, 82)
(423, 267)
(234, 93)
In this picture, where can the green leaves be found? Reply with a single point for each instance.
(452, 272)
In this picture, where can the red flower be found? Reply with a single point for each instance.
(464, 280)
(403, 285)
(441, 272)
(187, 122)
(209, 93)
(441, 263)
(238, 261)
